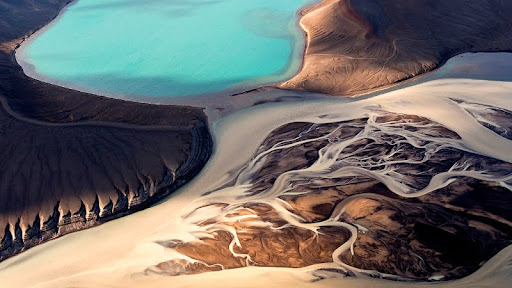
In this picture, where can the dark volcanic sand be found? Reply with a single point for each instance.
(71, 160)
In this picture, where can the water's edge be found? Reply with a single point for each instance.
(294, 66)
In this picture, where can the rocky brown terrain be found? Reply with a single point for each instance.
(299, 211)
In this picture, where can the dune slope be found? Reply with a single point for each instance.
(72, 160)
(358, 46)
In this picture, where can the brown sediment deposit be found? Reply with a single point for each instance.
(72, 160)
(449, 232)
(285, 247)
(354, 47)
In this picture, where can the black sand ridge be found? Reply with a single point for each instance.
(72, 160)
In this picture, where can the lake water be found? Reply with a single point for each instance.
(167, 48)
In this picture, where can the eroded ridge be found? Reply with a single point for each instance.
(72, 160)
(390, 195)
(57, 179)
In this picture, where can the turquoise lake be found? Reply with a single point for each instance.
(167, 48)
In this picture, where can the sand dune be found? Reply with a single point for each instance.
(72, 160)
(357, 46)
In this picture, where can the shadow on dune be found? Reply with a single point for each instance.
(357, 46)
(72, 160)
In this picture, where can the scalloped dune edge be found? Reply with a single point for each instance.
(72, 160)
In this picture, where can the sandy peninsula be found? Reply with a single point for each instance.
(354, 47)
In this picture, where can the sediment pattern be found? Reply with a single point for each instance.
(357, 46)
(391, 195)
(72, 160)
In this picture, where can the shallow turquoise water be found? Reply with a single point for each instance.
(167, 47)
